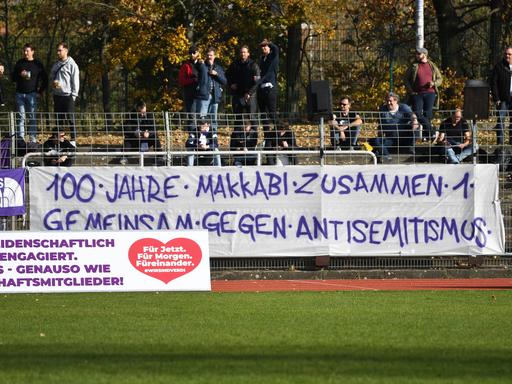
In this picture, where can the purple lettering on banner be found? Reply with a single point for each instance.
(97, 268)
(12, 192)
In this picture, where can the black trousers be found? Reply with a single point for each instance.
(64, 107)
(267, 103)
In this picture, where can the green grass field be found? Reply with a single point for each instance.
(301, 337)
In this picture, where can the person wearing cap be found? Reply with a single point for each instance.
(188, 78)
(397, 127)
(58, 150)
(267, 91)
(422, 81)
(201, 141)
(501, 90)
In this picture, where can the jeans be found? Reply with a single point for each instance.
(455, 155)
(205, 155)
(504, 112)
(404, 143)
(27, 102)
(201, 106)
(351, 136)
(422, 106)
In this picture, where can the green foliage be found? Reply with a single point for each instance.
(147, 40)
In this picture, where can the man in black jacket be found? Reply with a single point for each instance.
(242, 76)
(141, 133)
(31, 80)
(501, 89)
(267, 93)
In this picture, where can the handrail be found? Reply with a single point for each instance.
(169, 154)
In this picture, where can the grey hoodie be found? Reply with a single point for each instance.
(68, 75)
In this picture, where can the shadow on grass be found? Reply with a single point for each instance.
(199, 364)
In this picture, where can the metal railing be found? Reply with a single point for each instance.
(100, 138)
(168, 155)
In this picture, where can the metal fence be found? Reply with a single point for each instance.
(120, 139)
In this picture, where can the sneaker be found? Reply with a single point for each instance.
(123, 161)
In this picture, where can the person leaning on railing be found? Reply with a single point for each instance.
(244, 140)
(140, 132)
(58, 150)
(345, 128)
(455, 138)
(201, 141)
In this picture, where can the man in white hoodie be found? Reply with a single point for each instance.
(65, 83)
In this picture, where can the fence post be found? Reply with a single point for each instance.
(167, 126)
(12, 134)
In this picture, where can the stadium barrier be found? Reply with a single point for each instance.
(100, 139)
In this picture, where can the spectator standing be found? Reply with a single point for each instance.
(501, 89)
(188, 78)
(242, 76)
(216, 81)
(345, 128)
(397, 126)
(31, 81)
(455, 138)
(267, 91)
(422, 81)
(203, 89)
(65, 83)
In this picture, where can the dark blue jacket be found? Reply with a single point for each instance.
(207, 83)
(269, 66)
(202, 89)
(394, 125)
(217, 81)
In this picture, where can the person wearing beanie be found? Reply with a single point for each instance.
(422, 81)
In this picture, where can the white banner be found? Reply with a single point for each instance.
(284, 211)
(104, 261)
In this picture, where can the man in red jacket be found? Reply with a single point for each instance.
(188, 77)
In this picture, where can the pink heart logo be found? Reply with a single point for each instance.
(165, 262)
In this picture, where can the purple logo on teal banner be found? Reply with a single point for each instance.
(12, 192)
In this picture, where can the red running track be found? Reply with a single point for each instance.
(358, 285)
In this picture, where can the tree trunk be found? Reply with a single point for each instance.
(105, 80)
(293, 63)
(496, 31)
(448, 35)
